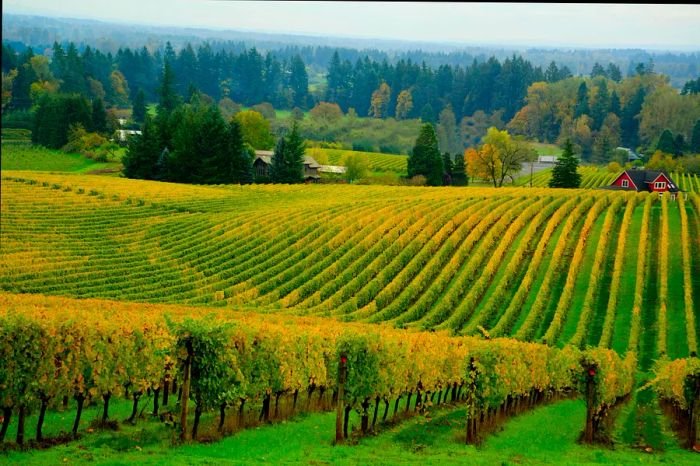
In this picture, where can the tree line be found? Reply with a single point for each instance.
(191, 142)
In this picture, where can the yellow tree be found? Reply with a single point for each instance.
(379, 105)
(500, 157)
(404, 104)
(483, 163)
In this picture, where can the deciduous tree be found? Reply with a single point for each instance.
(404, 104)
(379, 105)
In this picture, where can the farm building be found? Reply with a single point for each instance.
(645, 180)
(631, 155)
(547, 158)
(263, 161)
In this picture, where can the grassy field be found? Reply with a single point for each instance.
(546, 435)
(28, 157)
(531, 263)
(438, 238)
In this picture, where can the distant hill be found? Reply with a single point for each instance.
(40, 33)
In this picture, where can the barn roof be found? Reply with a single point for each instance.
(643, 178)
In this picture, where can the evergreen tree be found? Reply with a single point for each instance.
(425, 158)
(459, 172)
(581, 107)
(613, 72)
(288, 159)
(299, 82)
(168, 97)
(447, 163)
(54, 116)
(678, 145)
(565, 173)
(552, 73)
(21, 85)
(242, 155)
(427, 115)
(695, 138)
(615, 104)
(278, 165)
(600, 107)
(598, 70)
(665, 143)
(139, 111)
(691, 87)
(99, 117)
(9, 58)
(144, 159)
(629, 123)
(201, 146)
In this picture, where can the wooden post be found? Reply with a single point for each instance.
(693, 410)
(471, 438)
(342, 375)
(589, 431)
(185, 387)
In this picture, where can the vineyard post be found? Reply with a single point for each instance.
(185, 387)
(693, 389)
(590, 373)
(342, 375)
(472, 374)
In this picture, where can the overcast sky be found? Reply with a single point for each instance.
(579, 25)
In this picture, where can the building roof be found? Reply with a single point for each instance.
(642, 179)
(631, 155)
(311, 162)
(267, 159)
(332, 169)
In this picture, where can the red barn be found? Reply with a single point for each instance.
(645, 180)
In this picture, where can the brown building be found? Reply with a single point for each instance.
(263, 161)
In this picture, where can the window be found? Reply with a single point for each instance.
(659, 185)
(625, 183)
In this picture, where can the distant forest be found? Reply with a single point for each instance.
(605, 108)
(316, 52)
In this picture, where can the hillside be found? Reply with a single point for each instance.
(513, 261)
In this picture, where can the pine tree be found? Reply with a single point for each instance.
(169, 100)
(99, 117)
(665, 143)
(143, 155)
(278, 165)
(615, 104)
(427, 115)
(459, 172)
(448, 165)
(295, 156)
(629, 124)
(565, 173)
(695, 138)
(242, 155)
(581, 107)
(425, 158)
(139, 111)
(600, 107)
(679, 145)
(299, 82)
(288, 159)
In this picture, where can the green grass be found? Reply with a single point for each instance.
(625, 297)
(582, 282)
(546, 149)
(677, 332)
(546, 435)
(29, 157)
